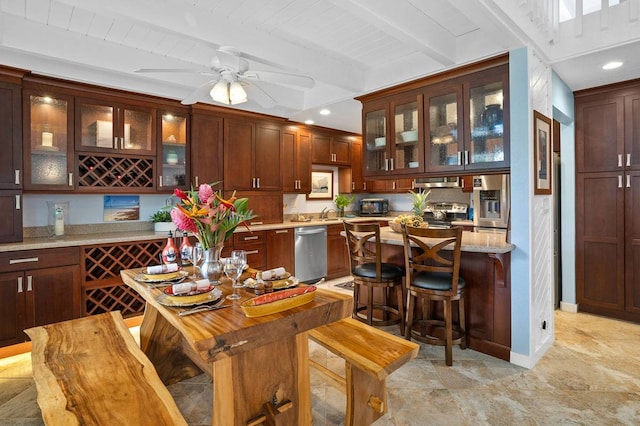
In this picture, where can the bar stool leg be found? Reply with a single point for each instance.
(370, 306)
(448, 329)
(409, 323)
(463, 329)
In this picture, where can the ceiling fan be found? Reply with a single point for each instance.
(233, 82)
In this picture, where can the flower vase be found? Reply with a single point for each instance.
(341, 212)
(212, 267)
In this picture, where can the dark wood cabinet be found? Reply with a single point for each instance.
(337, 253)
(351, 180)
(252, 155)
(39, 287)
(266, 205)
(11, 226)
(330, 149)
(391, 185)
(206, 147)
(255, 245)
(296, 161)
(608, 200)
(280, 249)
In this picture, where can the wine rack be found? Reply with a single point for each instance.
(102, 287)
(115, 172)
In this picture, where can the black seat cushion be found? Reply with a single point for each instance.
(387, 270)
(435, 281)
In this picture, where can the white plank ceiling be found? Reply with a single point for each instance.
(349, 47)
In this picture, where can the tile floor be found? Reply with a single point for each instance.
(591, 376)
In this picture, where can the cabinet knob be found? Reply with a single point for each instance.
(19, 284)
(29, 283)
(628, 159)
(17, 177)
(70, 179)
(18, 207)
(619, 160)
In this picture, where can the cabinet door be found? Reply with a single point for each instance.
(173, 151)
(407, 155)
(48, 141)
(303, 162)
(321, 149)
(280, 251)
(486, 97)
(599, 133)
(357, 178)
(109, 126)
(206, 149)
(11, 136)
(54, 296)
(443, 124)
(296, 161)
(600, 241)
(11, 225)
(632, 241)
(266, 205)
(632, 132)
(337, 253)
(374, 145)
(12, 308)
(340, 150)
(239, 139)
(266, 155)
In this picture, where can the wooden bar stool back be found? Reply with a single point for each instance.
(369, 272)
(432, 265)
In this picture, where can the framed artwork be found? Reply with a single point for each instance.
(321, 185)
(121, 207)
(541, 153)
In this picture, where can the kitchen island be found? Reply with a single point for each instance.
(485, 265)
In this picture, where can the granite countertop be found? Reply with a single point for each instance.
(479, 242)
(132, 236)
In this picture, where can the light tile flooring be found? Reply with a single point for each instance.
(591, 376)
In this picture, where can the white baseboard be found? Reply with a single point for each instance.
(569, 307)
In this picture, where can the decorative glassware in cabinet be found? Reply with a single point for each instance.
(48, 140)
(375, 140)
(174, 143)
(443, 130)
(486, 119)
(407, 149)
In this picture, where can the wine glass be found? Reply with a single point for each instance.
(195, 257)
(232, 269)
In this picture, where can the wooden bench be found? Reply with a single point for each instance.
(91, 371)
(370, 356)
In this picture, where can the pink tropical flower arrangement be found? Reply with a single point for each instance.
(211, 218)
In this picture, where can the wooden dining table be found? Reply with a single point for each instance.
(259, 365)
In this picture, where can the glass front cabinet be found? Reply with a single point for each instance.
(393, 141)
(112, 127)
(445, 141)
(173, 151)
(48, 140)
(486, 119)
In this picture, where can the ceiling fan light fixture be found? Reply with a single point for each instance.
(237, 95)
(220, 92)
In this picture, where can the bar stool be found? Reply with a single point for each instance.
(432, 274)
(368, 271)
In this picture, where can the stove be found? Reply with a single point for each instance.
(441, 214)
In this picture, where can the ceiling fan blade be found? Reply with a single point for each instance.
(200, 93)
(260, 96)
(281, 78)
(150, 70)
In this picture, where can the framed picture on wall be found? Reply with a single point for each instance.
(542, 153)
(321, 185)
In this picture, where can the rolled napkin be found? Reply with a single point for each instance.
(274, 274)
(162, 269)
(190, 286)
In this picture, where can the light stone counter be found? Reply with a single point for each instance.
(478, 242)
(104, 237)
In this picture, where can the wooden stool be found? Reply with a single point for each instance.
(432, 264)
(368, 271)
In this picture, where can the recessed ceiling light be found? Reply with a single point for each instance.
(612, 65)
(325, 112)
(309, 121)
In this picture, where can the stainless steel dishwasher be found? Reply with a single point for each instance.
(311, 253)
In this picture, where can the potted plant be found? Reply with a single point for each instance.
(341, 201)
(162, 221)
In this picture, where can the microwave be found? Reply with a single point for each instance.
(437, 182)
(374, 207)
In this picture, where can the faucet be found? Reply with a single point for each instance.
(325, 214)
